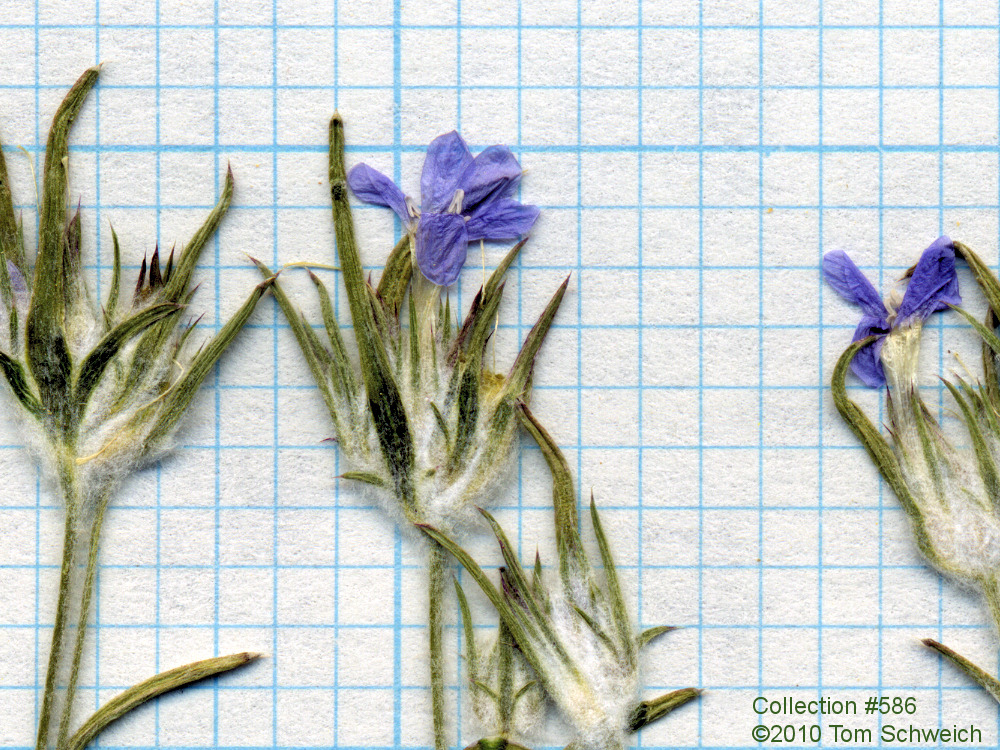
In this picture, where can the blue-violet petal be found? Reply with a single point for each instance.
(442, 243)
(372, 186)
(934, 284)
(447, 158)
(492, 175)
(503, 219)
(851, 284)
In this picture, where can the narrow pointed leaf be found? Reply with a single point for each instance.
(156, 686)
(984, 276)
(343, 374)
(180, 276)
(14, 373)
(520, 373)
(651, 634)
(111, 309)
(384, 400)
(977, 675)
(299, 329)
(649, 711)
(183, 391)
(990, 339)
(94, 364)
(619, 612)
(572, 558)
(502, 605)
(984, 457)
(367, 478)
(47, 352)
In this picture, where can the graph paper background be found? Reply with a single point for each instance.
(693, 162)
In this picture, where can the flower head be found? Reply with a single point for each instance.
(574, 628)
(932, 287)
(100, 388)
(424, 423)
(462, 199)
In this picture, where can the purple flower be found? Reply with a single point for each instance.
(933, 287)
(462, 199)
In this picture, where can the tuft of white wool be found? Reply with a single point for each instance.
(958, 514)
(599, 697)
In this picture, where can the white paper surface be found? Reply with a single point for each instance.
(693, 162)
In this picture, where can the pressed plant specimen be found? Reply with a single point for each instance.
(949, 487)
(99, 391)
(425, 424)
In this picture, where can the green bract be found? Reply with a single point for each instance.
(100, 390)
(575, 632)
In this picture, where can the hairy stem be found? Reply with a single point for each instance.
(76, 586)
(81, 627)
(58, 633)
(436, 565)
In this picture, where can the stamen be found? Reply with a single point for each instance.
(411, 208)
(455, 207)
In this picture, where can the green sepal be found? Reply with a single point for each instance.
(156, 686)
(495, 743)
(520, 372)
(74, 288)
(522, 587)
(395, 278)
(486, 297)
(384, 400)
(176, 289)
(414, 338)
(649, 635)
(991, 379)
(181, 393)
(977, 675)
(649, 711)
(367, 477)
(14, 373)
(471, 650)
(93, 365)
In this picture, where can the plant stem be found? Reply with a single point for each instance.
(81, 628)
(436, 564)
(76, 587)
(58, 631)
